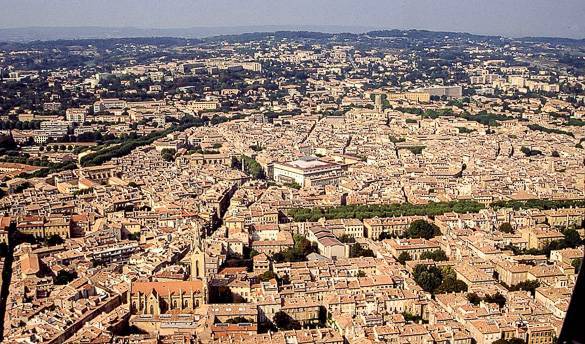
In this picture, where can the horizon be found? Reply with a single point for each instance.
(520, 18)
(109, 32)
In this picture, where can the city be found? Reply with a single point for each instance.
(392, 186)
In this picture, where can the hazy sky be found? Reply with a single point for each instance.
(564, 18)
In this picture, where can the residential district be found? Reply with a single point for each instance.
(291, 188)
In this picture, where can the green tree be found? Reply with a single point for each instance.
(506, 227)
(451, 285)
(572, 237)
(422, 229)
(168, 154)
(496, 298)
(347, 239)
(501, 341)
(526, 285)
(267, 276)
(474, 298)
(428, 278)
(516, 341)
(404, 257)
(437, 255)
(358, 250)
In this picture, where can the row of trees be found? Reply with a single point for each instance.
(115, 151)
(20, 125)
(537, 127)
(251, 166)
(542, 204)
(384, 210)
(483, 117)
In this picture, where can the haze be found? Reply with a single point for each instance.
(562, 18)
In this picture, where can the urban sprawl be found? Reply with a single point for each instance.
(405, 187)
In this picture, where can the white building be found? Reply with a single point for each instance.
(307, 171)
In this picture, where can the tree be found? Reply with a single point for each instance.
(501, 341)
(451, 285)
(572, 237)
(238, 320)
(516, 341)
(506, 227)
(134, 236)
(347, 239)
(422, 229)
(361, 273)
(510, 341)
(474, 298)
(428, 278)
(437, 255)
(496, 298)
(168, 154)
(576, 263)
(403, 257)
(357, 250)
(526, 285)
(267, 276)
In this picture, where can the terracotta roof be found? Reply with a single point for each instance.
(167, 288)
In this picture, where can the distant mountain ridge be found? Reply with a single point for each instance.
(243, 33)
(28, 34)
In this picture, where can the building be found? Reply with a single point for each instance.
(41, 227)
(210, 159)
(109, 104)
(52, 106)
(5, 222)
(443, 91)
(203, 105)
(308, 171)
(540, 236)
(76, 115)
(418, 97)
(414, 247)
(156, 298)
(389, 225)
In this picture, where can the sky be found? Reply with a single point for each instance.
(514, 18)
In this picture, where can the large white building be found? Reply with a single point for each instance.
(307, 171)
